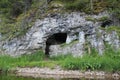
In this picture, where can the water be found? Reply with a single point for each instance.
(16, 77)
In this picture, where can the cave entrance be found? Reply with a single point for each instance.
(55, 39)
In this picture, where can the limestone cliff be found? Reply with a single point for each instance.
(68, 33)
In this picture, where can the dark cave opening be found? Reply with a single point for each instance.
(106, 23)
(55, 39)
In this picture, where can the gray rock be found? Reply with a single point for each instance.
(78, 30)
(75, 49)
(0, 36)
(112, 39)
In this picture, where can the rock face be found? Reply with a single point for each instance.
(63, 34)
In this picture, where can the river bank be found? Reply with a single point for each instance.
(37, 65)
(60, 73)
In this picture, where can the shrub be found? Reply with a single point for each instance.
(77, 5)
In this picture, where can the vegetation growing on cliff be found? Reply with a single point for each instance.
(92, 6)
(17, 15)
(16, 18)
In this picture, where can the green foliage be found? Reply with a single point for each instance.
(114, 7)
(112, 28)
(77, 5)
(98, 6)
(18, 23)
(109, 61)
(12, 28)
(89, 18)
(104, 18)
(60, 57)
(15, 25)
(14, 7)
(7, 62)
(17, 15)
(89, 62)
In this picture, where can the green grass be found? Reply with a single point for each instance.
(104, 63)
(109, 61)
(7, 62)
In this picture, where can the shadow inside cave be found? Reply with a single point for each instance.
(55, 39)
